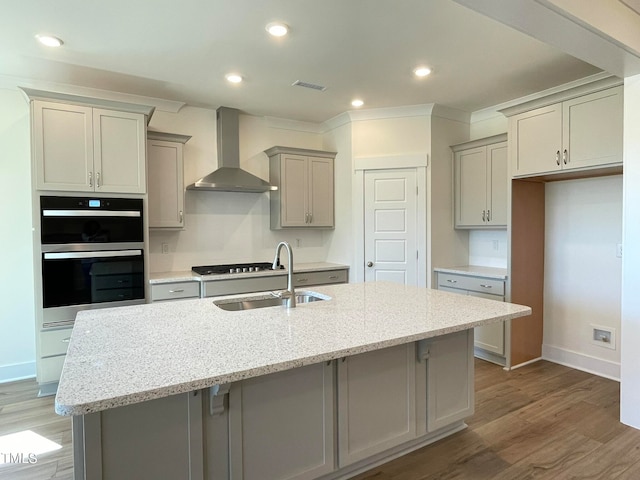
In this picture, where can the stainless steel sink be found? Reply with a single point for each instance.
(249, 303)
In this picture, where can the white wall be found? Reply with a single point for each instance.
(228, 227)
(17, 315)
(488, 248)
(630, 332)
(582, 277)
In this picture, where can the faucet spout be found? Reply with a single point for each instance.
(289, 294)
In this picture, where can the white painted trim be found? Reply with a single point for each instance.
(295, 125)
(358, 227)
(523, 364)
(336, 122)
(580, 361)
(17, 371)
(391, 112)
(384, 162)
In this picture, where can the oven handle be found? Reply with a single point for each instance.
(67, 255)
(91, 213)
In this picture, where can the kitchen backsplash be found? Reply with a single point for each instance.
(226, 227)
(488, 248)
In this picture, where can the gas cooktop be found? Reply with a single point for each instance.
(233, 268)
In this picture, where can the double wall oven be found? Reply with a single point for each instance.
(92, 253)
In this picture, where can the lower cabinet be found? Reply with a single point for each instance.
(376, 402)
(490, 340)
(161, 292)
(281, 426)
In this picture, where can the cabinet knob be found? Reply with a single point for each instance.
(369, 264)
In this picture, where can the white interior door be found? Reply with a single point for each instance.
(390, 204)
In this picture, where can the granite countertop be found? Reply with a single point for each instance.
(476, 271)
(189, 276)
(119, 356)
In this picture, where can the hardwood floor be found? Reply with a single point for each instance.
(542, 421)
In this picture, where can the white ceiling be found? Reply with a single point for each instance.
(181, 50)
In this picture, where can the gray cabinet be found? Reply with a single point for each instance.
(305, 194)
(579, 133)
(281, 426)
(490, 340)
(174, 291)
(447, 362)
(481, 183)
(376, 402)
(85, 149)
(166, 179)
(115, 443)
(53, 344)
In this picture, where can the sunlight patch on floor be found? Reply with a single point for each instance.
(24, 447)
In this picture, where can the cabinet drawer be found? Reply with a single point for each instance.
(50, 368)
(320, 278)
(475, 284)
(172, 291)
(54, 342)
(244, 285)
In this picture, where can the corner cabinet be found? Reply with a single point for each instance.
(166, 179)
(579, 133)
(481, 183)
(305, 195)
(80, 148)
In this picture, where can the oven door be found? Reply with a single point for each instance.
(73, 281)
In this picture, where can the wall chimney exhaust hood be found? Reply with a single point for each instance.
(229, 177)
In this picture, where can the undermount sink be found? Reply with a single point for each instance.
(249, 303)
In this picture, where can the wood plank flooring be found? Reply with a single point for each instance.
(542, 421)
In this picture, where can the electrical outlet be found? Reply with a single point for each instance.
(603, 336)
(165, 248)
(619, 250)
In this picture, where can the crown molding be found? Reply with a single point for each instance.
(295, 125)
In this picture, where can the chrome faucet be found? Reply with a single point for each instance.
(289, 294)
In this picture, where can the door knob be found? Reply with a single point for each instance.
(369, 264)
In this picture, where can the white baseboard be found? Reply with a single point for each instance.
(17, 371)
(580, 361)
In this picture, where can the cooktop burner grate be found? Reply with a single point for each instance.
(232, 268)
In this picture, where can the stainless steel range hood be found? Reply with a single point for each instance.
(229, 177)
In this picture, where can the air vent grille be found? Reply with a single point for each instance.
(312, 86)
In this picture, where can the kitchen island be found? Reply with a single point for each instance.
(324, 390)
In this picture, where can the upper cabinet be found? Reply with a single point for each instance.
(85, 147)
(166, 179)
(305, 195)
(481, 183)
(581, 132)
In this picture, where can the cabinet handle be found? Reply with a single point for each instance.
(306, 218)
(333, 277)
(485, 286)
(91, 179)
(302, 280)
(177, 290)
(558, 157)
(483, 216)
(66, 340)
(311, 218)
(452, 281)
(488, 215)
(565, 156)
(181, 216)
(97, 179)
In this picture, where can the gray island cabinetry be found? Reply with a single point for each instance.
(320, 391)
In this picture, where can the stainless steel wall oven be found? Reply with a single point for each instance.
(92, 253)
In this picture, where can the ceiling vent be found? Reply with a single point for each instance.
(312, 86)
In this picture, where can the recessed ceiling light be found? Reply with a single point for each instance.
(277, 29)
(357, 103)
(233, 77)
(422, 71)
(49, 40)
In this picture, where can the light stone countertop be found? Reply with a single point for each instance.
(125, 355)
(188, 276)
(476, 271)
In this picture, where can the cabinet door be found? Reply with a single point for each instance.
(293, 195)
(592, 129)
(63, 146)
(490, 337)
(321, 209)
(281, 425)
(119, 151)
(166, 184)
(450, 393)
(376, 402)
(497, 185)
(471, 187)
(537, 140)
